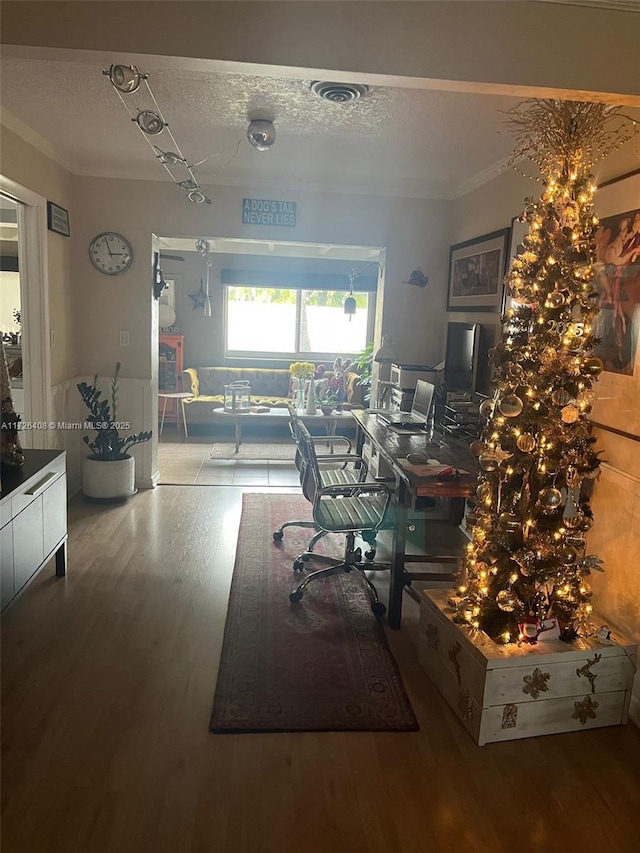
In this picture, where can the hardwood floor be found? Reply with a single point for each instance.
(107, 684)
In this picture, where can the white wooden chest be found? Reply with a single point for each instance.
(509, 692)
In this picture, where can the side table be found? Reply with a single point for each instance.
(180, 396)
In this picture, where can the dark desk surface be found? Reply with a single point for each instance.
(395, 446)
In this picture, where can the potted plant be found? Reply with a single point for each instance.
(109, 472)
(364, 363)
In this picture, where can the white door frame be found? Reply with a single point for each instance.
(34, 290)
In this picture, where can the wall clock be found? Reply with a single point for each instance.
(110, 253)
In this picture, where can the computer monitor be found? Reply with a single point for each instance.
(461, 356)
(423, 399)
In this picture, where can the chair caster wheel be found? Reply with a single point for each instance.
(278, 535)
(370, 554)
(298, 565)
(295, 596)
(378, 609)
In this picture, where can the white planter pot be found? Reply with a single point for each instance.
(108, 480)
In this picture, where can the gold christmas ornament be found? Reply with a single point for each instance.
(569, 414)
(488, 463)
(484, 493)
(476, 447)
(550, 498)
(506, 600)
(556, 299)
(511, 406)
(574, 521)
(567, 555)
(592, 366)
(526, 442)
(561, 397)
(509, 521)
(486, 408)
(516, 370)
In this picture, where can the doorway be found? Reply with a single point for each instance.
(248, 303)
(26, 226)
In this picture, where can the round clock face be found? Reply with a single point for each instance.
(110, 253)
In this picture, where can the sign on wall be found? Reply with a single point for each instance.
(264, 211)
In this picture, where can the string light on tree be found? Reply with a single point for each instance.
(527, 560)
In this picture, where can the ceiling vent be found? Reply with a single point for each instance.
(339, 93)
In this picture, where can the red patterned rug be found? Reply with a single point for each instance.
(321, 665)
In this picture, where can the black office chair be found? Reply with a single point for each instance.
(349, 508)
(347, 471)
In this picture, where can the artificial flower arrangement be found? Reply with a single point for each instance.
(302, 370)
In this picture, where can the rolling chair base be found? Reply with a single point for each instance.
(350, 563)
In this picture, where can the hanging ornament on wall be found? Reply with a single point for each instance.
(199, 298)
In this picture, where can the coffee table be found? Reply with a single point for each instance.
(329, 422)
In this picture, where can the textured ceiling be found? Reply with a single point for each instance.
(392, 141)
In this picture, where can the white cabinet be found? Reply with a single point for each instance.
(33, 517)
(7, 589)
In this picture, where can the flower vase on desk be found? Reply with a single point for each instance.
(299, 395)
(311, 398)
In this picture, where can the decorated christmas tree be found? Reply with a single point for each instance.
(527, 560)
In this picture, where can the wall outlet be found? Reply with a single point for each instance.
(124, 339)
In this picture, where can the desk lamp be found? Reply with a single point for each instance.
(386, 355)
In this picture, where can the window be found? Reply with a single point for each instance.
(294, 322)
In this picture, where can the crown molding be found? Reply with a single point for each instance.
(32, 137)
(390, 190)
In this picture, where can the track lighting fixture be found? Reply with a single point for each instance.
(150, 122)
(125, 78)
(169, 158)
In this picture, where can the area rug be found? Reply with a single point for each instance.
(320, 665)
(226, 450)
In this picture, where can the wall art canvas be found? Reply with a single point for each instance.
(617, 275)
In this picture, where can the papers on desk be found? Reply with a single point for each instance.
(428, 467)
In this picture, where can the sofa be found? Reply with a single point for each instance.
(268, 388)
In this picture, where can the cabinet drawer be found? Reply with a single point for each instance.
(28, 547)
(34, 487)
(54, 510)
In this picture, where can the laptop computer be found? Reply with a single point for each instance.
(420, 408)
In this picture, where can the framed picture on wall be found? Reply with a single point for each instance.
(476, 273)
(617, 325)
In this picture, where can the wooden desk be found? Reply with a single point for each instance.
(394, 447)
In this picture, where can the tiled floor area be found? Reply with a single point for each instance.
(189, 463)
